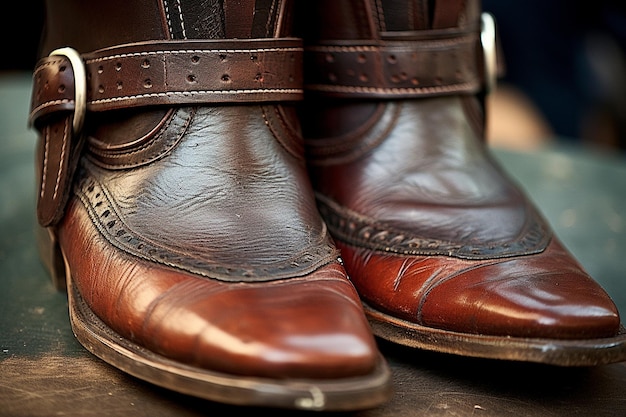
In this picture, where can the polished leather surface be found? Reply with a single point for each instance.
(431, 229)
(193, 231)
(304, 327)
(173, 72)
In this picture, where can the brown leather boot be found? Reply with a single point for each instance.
(175, 192)
(446, 252)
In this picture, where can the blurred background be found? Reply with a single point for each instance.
(565, 73)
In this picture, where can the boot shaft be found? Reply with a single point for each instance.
(366, 53)
(356, 50)
(373, 20)
(139, 61)
(91, 25)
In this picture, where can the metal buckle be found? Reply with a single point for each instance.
(488, 43)
(80, 86)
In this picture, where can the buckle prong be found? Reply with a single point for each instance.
(80, 86)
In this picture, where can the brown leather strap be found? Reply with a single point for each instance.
(174, 73)
(441, 63)
(58, 157)
(150, 73)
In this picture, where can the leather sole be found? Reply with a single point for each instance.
(346, 394)
(558, 352)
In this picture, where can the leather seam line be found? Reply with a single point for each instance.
(146, 148)
(52, 103)
(170, 27)
(391, 44)
(450, 88)
(296, 91)
(199, 92)
(350, 147)
(189, 51)
(285, 136)
(46, 156)
(62, 157)
(130, 243)
(361, 231)
(138, 149)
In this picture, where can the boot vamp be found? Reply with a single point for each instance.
(434, 232)
(274, 329)
(217, 191)
(431, 177)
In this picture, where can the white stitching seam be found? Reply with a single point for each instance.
(194, 51)
(199, 92)
(401, 90)
(46, 135)
(63, 151)
(172, 93)
(182, 20)
(167, 17)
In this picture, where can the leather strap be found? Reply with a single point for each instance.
(174, 73)
(438, 62)
(151, 73)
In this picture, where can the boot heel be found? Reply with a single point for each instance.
(50, 255)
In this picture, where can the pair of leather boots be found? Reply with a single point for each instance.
(208, 248)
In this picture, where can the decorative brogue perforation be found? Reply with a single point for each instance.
(107, 217)
(178, 210)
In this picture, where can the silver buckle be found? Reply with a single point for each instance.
(80, 86)
(488, 43)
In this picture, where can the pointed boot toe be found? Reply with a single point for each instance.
(523, 297)
(445, 250)
(179, 213)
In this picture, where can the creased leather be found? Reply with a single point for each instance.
(215, 185)
(431, 229)
(192, 230)
(226, 327)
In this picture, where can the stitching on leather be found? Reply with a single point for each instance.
(391, 45)
(200, 92)
(193, 51)
(62, 158)
(296, 91)
(105, 216)
(41, 67)
(168, 18)
(380, 15)
(46, 135)
(285, 132)
(51, 103)
(268, 21)
(182, 20)
(337, 59)
(392, 90)
(162, 150)
(355, 229)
